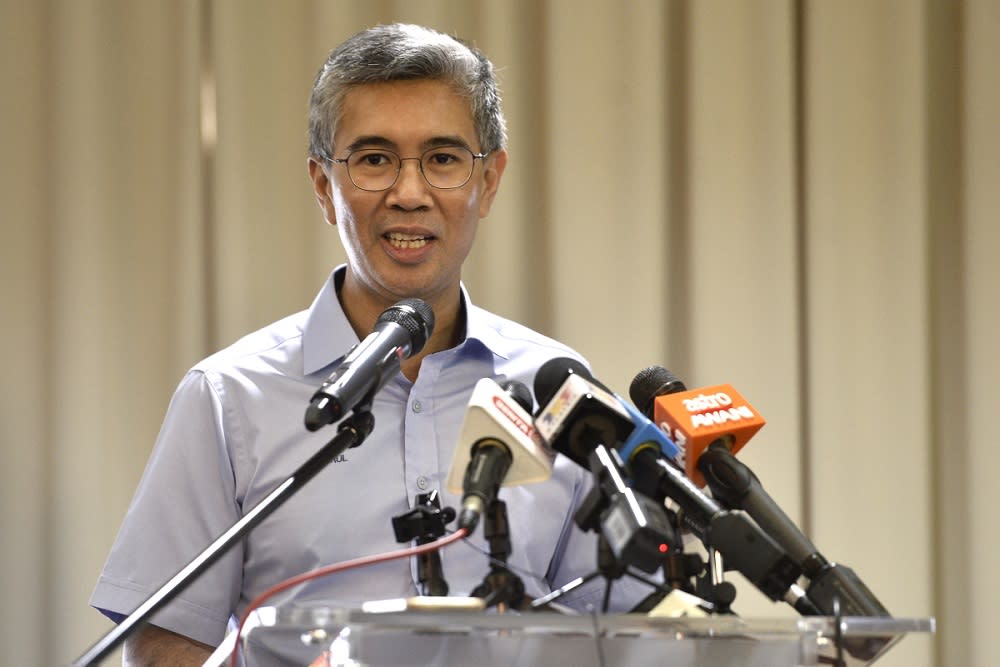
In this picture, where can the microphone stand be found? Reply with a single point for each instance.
(501, 587)
(608, 567)
(587, 517)
(712, 584)
(681, 572)
(351, 432)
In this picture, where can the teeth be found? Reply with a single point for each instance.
(407, 240)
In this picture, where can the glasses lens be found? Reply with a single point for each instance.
(373, 169)
(447, 166)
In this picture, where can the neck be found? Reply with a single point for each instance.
(362, 311)
(449, 329)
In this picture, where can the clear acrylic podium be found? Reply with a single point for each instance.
(353, 638)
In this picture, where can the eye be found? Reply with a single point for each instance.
(441, 158)
(369, 159)
(446, 157)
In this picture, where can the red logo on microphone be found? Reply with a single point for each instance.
(510, 413)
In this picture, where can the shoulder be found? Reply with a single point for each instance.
(251, 382)
(275, 347)
(516, 342)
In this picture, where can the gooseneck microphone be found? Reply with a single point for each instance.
(401, 331)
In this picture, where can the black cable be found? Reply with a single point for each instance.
(496, 561)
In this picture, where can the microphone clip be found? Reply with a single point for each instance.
(425, 523)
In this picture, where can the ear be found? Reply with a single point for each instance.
(321, 187)
(494, 166)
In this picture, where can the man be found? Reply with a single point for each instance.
(406, 157)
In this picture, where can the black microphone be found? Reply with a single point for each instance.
(401, 331)
(744, 546)
(582, 420)
(576, 411)
(734, 484)
(833, 588)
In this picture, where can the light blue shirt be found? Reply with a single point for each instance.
(234, 431)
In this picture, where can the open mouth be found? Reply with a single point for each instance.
(407, 241)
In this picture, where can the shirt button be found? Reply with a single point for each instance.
(416, 406)
(421, 482)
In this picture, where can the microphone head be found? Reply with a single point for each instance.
(519, 392)
(652, 382)
(553, 373)
(576, 412)
(414, 315)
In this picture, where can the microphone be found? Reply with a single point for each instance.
(581, 412)
(744, 546)
(593, 406)
(834, 589)
(401, 331)
(584, 421)
(831, 584)
(695, 419)
(578, 411)
(498, 446)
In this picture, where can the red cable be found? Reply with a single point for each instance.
(338, 567)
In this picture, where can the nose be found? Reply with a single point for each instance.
(410, 190)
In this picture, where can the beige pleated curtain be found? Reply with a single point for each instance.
(797, 197)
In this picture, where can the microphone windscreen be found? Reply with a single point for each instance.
(552, 374)
(519, 392)
(652, 382)
(414, 315)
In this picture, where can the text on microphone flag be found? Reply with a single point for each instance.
(510, 413)
(696, 418)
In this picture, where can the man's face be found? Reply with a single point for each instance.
(411, 239)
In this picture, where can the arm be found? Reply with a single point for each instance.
(182, 504)
(152, 645)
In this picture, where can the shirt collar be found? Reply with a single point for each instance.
(328, 335)
(481, 326)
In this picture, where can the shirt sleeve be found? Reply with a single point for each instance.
(185, 500)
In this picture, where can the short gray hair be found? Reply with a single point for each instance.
(399, 52)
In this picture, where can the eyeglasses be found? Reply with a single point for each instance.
(443, 167)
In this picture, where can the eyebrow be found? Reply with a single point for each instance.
(377, 141)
